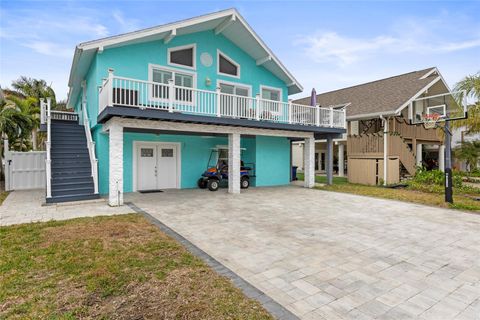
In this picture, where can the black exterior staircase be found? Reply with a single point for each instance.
(70, 163)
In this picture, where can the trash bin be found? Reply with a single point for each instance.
(294, 173)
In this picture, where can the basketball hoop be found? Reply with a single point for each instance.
(430, 120)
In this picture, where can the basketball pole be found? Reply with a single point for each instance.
(448, 163)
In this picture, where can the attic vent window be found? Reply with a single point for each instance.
(182, 56)
(227, 66)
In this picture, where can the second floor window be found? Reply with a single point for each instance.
(271, 94)
(180, 80)
(182, 56)
(227, 66)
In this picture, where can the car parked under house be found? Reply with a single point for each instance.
(154, 102)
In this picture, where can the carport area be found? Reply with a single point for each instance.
(326, 255)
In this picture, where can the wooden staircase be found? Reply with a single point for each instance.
(398, 147)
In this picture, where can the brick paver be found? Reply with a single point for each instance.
(326, 255)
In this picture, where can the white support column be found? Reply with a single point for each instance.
(234, 163)
(419, 155)
(441, 158)
(341, 160)
(309, 162)
(115, 196)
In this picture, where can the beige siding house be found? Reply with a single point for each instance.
(370, 107)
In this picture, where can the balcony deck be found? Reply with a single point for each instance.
(132, 98)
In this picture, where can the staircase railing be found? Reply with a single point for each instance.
(46, 116)
(91, 148)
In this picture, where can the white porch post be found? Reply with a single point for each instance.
(234, 163)
(309, 162)
(419, 155)
(341, 160)
(115, 195)
(441, 158)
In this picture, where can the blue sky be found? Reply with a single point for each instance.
(325, 44)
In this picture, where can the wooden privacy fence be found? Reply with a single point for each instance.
(370, 171)
(24, 170)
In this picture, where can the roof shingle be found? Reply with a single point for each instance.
(376, 97)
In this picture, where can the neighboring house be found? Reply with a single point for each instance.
(155, 102)
(461, 135)
(368, 107)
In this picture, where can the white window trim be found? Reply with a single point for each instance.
(194, 56)
(219, 52)
(272, 89)
(152, 66)
(138, 143)
(237, 84)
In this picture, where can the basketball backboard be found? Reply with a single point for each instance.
(445, 106)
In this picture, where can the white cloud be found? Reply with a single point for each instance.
(49, 48)
(423, 37)
(126, 25)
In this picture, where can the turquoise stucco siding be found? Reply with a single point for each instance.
(272, 160)
(132, 61)
(270, 155)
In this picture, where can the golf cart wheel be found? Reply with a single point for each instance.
(213, 184)
(244, 183)
(202, 184)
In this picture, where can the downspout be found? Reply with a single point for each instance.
(385, 149)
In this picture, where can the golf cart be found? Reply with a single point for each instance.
(217, 171)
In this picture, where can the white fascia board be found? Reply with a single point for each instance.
(426, 75)
(366, 116)
(407, 103)
(155, 30)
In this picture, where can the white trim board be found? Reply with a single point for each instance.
(137, 143)
(187, 46)
(229, 59)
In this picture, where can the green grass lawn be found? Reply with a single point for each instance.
(119, 267)
(323, 179)
(3, 196)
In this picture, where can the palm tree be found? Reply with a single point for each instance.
(35, 88)
(27, 130)
(469, 152)
(471, 86)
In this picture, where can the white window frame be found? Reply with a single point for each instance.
(152, 66)
(280, 102)
(272, 89)
(219, 52)
(236, 84)
(187, 46)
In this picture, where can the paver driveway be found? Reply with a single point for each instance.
(331, 255)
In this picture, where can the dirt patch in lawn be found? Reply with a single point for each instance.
(119, 267)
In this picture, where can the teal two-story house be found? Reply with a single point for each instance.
(151, 105)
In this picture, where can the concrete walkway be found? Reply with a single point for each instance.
(326, 255)
(28, 206)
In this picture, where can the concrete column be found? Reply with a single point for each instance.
(234, 163)
(341, 160)
(419, 155)
(115, 191)
(309, 158)
(441, 158)
(329, 160)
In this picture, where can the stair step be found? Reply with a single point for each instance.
(59, 186)
(69, 165)
(74, 172)
(77, 197)
(72, 157)
(60, 151)
(72, 179)
(73, 191)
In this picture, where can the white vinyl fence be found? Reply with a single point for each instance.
(24, 170)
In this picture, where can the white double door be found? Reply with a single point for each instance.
(157, 166)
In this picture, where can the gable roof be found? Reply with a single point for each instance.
(381, 97)
(228, 22)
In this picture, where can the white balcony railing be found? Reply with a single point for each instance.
(120, 91)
